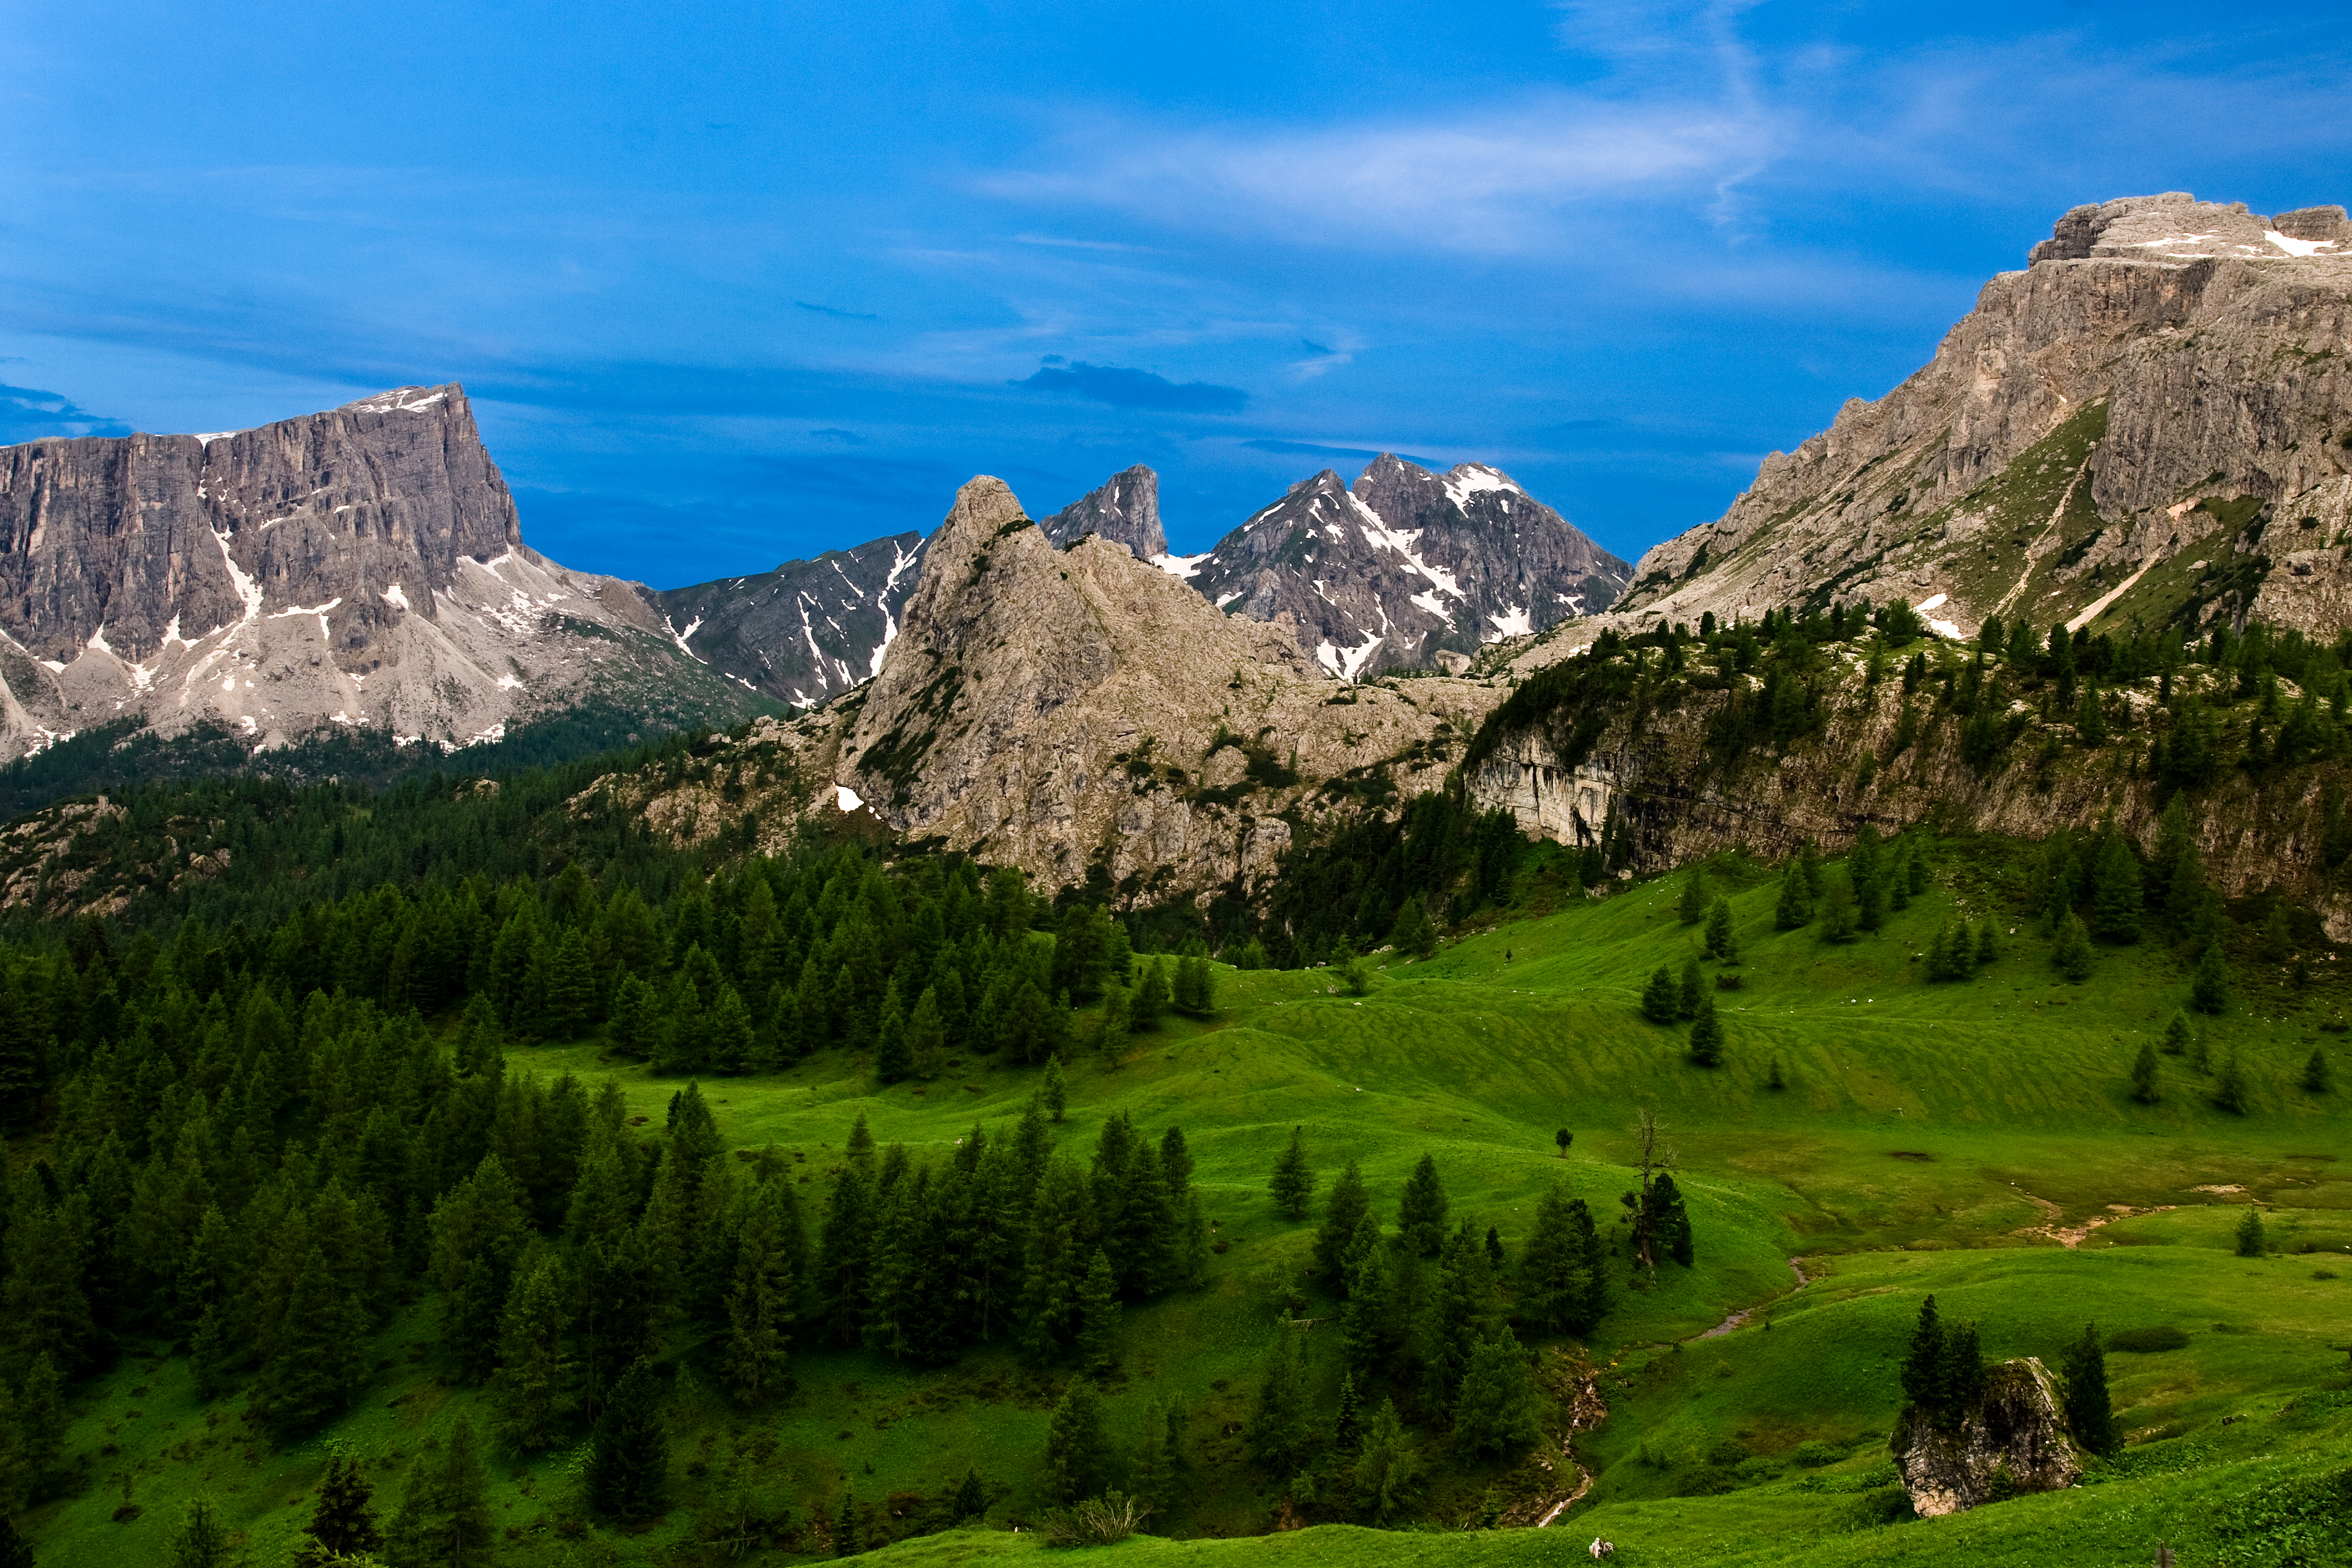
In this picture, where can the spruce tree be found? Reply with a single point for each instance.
(1152, 996)
(1987, 943)
(202, 1540)
(1076, 1443)
(1498, 1412)
(1293, 1183)
(1794, 908)
(532, 1386)
(320, 1356)
(1281, 1426)
(1669, 1220)
(1692, 990)
(1053, 1092)
(1722, 942)
(2230, 1088)
(2071, 951)
(1661, 1002)
(761, 1302)
(1564, 1138)
(628, 1457)
(1837, 909)
(848, 1535)
(342, 1524)
(1562, 1274)
(1414, 932)
(1387, 1465)
(2208, 988)
(2143, 1076)
(1692, 907)
(445, 1517)
(893, 1059)
(1099, 1317)
(1706, 1035)
(1866, 870)
(1420, 1212)
(1922, 1365)
(1348, 1415)
(1346, 1207)
(570, 988)
(2251, 1240)
(971, 1496)
(2177, 1035)
(1150, 1479)
(2115, 901)
(2090, 1412)
(2314, 1072)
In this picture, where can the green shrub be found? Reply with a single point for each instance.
(1812, 1455)
(2144, 1341)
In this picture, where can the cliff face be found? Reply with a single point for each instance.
(1124, 509)
(2012, 1443)
(1406, 568)
(1076, 713)
(2149, 424)
(807, 631)
(363, 566)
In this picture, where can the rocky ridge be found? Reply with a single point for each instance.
(1406, 568)
(1078, 714)
(2152, 423)
(2012, 1443)
(805, 631)
(1124, 509)
(360, 567)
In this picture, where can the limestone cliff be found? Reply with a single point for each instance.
(363, 566)
(2012, 1443)
(2151, 423)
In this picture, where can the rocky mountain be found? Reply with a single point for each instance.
(807, 631)
(2150, 424)
(1125, 511)
(1077, 712)
(1406, 568)
(360, 567)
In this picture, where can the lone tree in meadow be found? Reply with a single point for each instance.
(1692, 906)
(1693, 989)
(2208, 988)
(2177, 1035)
(1706, 1035)
(1564, 1137)
(2072, 952)
(1076, 1443)
(1722, 942)
(2230, 1088)
(2252, 1242)
(2090, 1413)
(2314, 1072)
(1293, 1181)
(1661, 1002)
(2143, 1076)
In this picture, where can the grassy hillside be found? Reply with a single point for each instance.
(1930, 1137)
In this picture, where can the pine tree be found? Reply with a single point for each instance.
(1794, 908)
(570, 988)
(893, 1061)
(1151, 996)
(1692, 990)
(1420, 1212)
(2314, 1072)
(1348, 1415)
(1099, 1317)
(341, 1523)
(2251, 1240)
(320, 1354)
(1706, 1035)
(532, 1386)
(1922, 1365)
(1282, 1425)
(1293, 1183)
(2208, 989)
(1722, 942)
(202, 1540)
(2115, 901)
(1414, 932)
(1564, 1138)
(759, 1304)
(444, 1519)
(2072, 952)
(1342, 1211)
(1387, 1465)
(1563, 1278)
(1053, 1092)
(848, 1534)
(1076, 1443)
(1692, 907)
(2230, 1089)
(1865, 870)
(1837, 909)
(1987, 943)
(2090, 1413)
(1661, 1003)
(1669, 1220)
(1775, 1081)
(2143, 1076)
(629, 1458)
(1496, 1412)
(2177, 1035)
(971, 1496)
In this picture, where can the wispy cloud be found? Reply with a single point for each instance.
(1124, 387)
(836, 315)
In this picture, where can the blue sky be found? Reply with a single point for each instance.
(734, 283)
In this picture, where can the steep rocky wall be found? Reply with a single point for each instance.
(2011, 1443)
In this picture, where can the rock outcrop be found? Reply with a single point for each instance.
(1082, 716)
(2011, 1444)
(1406, 568)
(2151, 423)
(1124, 509)
(807, 631)
(363, 566)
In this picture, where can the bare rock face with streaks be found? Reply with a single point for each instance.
(2012, 1443)
(1124, 509)
(2151, 423)
(363, 566)
(1406, 568)
(1064, 710)
(808, 631)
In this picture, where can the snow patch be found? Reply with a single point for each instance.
(1183, 566)
(401, 400)
(1933, 602)
(679, 637)
(98, 639)
(1946, 629)
(496, 732)
(396, 597)
(55, 666)
(208, 437)
(882, 602)
(509, 684)
(1229, 597)
(247, 588)
(1469, 479)
(1427, 598)
(846, 798)
(2297, 246)
(1379, 535)
(318, 609)
(1345, 662)
(1513, 623)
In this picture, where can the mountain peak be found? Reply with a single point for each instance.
(1124, 509)
(2175, 226)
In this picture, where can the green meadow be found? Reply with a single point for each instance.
(1925, 1138)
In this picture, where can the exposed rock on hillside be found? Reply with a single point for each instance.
(358, 567)
(807, 631)
(1125, 511)
(1406, 568)
(2152, 422)
(2013, 1443)
(1076, 713)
